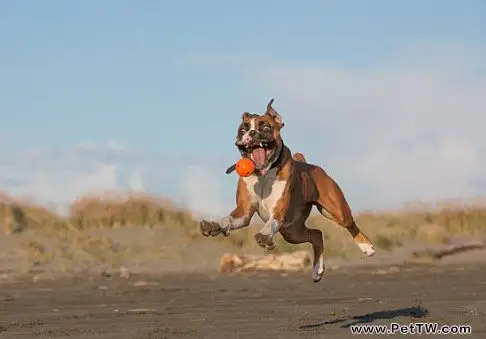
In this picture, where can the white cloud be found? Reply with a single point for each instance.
(116, 145)
(54, 177)
(405, 129)
(201, 192)
(135, 181)
(111, 144)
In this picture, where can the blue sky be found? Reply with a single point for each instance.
(148, 95)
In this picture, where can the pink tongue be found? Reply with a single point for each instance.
(259, 156)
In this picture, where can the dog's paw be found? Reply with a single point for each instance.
(210, 228)
(318, 272)
(367, 248)
(264, 241)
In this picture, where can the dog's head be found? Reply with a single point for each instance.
(259, 139)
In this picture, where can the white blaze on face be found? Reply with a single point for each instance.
(258, 155)
(246, 137)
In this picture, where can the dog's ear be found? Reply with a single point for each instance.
(230, 169)
(245, 116)
(273, 114)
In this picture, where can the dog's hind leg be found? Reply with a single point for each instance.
(300, 233)
(332, 204)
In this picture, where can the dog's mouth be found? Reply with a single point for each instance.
(259, 152)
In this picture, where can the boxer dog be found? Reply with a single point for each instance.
(282, 191)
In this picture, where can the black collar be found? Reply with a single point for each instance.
(279, 158)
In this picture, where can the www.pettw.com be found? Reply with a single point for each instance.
(411, 328)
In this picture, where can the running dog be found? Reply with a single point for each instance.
(282, 190)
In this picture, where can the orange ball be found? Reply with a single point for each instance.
(245, 167)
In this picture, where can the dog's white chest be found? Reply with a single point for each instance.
(265, 192)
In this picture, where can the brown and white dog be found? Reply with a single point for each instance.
(283, 190)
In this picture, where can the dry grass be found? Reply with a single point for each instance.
(117, 210)
(109, 211)
(386, 229)
(50, 237)
(389, 230)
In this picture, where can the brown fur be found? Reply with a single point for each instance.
(243, 204)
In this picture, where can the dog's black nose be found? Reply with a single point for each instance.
(252, 133)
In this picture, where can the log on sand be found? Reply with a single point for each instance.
(289, 262)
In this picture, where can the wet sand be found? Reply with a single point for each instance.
(263, 305)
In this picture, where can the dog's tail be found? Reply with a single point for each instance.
(299, 157)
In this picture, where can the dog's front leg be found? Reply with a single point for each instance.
(237, 219)
(265, 236)
(240, 217)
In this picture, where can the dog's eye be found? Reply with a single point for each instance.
(242, 131)
(266, 128)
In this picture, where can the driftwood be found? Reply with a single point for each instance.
(290, 262)
(440, 253)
